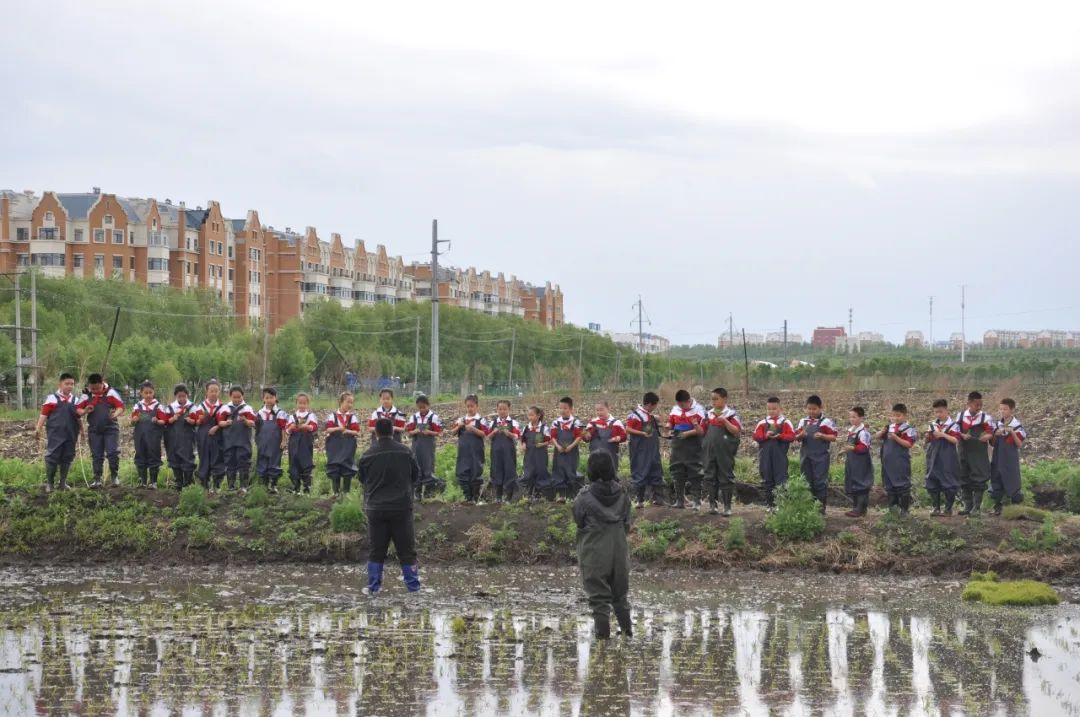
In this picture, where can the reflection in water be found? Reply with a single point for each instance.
(791, 660)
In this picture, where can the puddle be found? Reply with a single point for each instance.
(302, 640)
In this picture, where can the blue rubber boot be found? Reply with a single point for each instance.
(411, 575)
(374, 577)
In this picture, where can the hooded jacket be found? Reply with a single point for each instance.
(602, 514)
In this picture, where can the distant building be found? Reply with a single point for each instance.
(825, 336)
(755, 340)
(650, 343)
(871, 337)
(776, 338)
(956, 341)
(848, 345)
(914, 340)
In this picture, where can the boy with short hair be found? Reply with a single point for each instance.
(816, 433)
(685, 421)
(976, 433)
(646, 471)
(858, 465)
(102, 406)
(236, 419)
(897, 439)
(422, 428)
(302, 426)
(270, 439)
(61, 426)
(504, 433)
(942, 462)
(605, 433)
(723, 432)
(1009, 438)
(180, 441)
(389, 411)
(208, 438)
(567, 432)
(773, 434)
(148, 417)
(471, 430)
(342, 430)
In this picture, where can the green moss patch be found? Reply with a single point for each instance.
(986, 588)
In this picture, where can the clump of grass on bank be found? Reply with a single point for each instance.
(798, 514)
(654, 538)
(347, 517)
(1024, 512)
(986, 588)
(735, 535)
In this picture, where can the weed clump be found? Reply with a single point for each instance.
(986, 588)
(1046, 539)
(798, 514)
(193, 502)
(1023, 512)
(257, 497)
(735, 535)
(200, 531)
(347, 517)
(654, 538)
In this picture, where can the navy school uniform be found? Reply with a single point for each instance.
(686, 452)
(564, 466)
(858, 464)
(302, 449)
(719, 448)
(62, 428)
(423, 446)
(470, 456)
(180, 442)
(210, 445)
(601, 431)
(102, 430)
(236, 441)
(341, 450)
(505, 434)
(974, 454)
(1005, 466)
(148, 436)
(270, 424)
(896, 460)
(645, 467)
(536, 473)
(942, 460)
(815, 454)
(773, 453)
(395, 416)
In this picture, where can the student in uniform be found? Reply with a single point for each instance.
(1009, 438)
(504, 432)
(773, 434)
(816, 433)
(180, 441)
(942, 463)
(602, 515)
(471, 430)
(536, 436)
(858, 465)
(270, 439)
(605, 433)
(686, 423)
(976, 432)
(723, 432)
(646, 471)
(102, 406)
(422, 428)
(236, 419)
(897, 439)
(342, 429)
(567, 433)
(389, 411)
(61, 427)
(208, 438)
(301, 428)
(148, 418)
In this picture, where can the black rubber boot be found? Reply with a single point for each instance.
(346, 483)
(601, 627)
(965, 498)
(714, 506)
(770, 500)
(626, 623)
(153, 478)
(904, 500)
(976, 502)
(725, 496)
(230, 480)
(64, 476)
(997, 507)
(142, 476)
(679, 501)
(639, 496)
(950, 498)
(50, 477)
(335, 483)
(824, 504)
(935, 500)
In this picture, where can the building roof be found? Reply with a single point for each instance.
(129, 208)
(20, 204)
(195, 218)
(237, 224)
(77, 206)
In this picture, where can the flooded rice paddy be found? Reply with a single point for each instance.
(306, 641)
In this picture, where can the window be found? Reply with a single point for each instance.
(220, 249)
(118, 262)
(118, 237)
(76, 261)
(49, 217)
(22, 234)
(158, 264)
(47, 259)
(99, 236)
(131, 237)
(99, 261)
(230, 252)
(188, 267)
(23, 260)
(131, 263)
(196, 267)
(230, 275)
(189, 243)
(51, 234)
(79, 235)
(153, 223)
(108, 220)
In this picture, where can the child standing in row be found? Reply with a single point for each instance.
(723, 432)
(301, 428)
(237, 419)
(605, 434)
(976, 433)
(897, 439)
(62, 427)
(148, 418)
(773, 434)
(471, 430)
(686, 421)
(389, 411)
(504, 433)
(270, 439)
(646, 472)
(567, 433)
(536, 436)
(942, 462)
(858, 465)
(208, 436)
(180, 438)
(342, 429)
(1009, 437)
(102, 406)
(422, 428)
(816, 433)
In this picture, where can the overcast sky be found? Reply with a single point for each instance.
(772, 160)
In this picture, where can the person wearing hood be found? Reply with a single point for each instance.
(602, 514)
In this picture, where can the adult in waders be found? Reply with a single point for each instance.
(567, 433)
(816, 433)
(102, 406)
(302, 427)
(686, 422)
(504, 433)
(602, 514)
(858, 465)
(388, 472)
(942, 462)
(208, 438)
(896, 441)
(422, 428)
(605, 433)
(180, 437)
(723, 432)
(148, 418)
(976, 432)
(471, 430)
(774, 435)
(61, 426)
(1009, 437)
(536, 474)
(270, 439)
(342, 429)
(237, 419)
(646, 470)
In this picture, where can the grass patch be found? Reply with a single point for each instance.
(915, 536)
(1024, 512)
(735, 535)
(193, 502)
(986, 588)
(257, 518)
(654, 538)
(257, 497)
(200, 531)
(1046, 539)
(347, 517)
(798, 514)
(126, 527)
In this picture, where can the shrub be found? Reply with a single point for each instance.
(735, 535)
(200, 531)
(798, 514)
(347, 517)
(986, 588)
(193, 502)
(257, 497)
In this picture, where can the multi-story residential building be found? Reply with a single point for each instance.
(914, 340)
(649, 343)
(825, 336)
(871, 337)
(265, 275)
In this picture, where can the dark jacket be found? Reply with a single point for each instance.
(388, 472)
(602, 514)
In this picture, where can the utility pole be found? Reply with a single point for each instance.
(416, 358)
(785, 340)
(435, 241)
(580, 351)
(731, 330)
(618, 362)
(850, 328)
(963, 324)
(746, 365)
(18, 341)
(931, 323)
(266, 343)
(641, 342)
(513, 346)
(33, 337)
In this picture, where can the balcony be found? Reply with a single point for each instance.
(158, 238)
